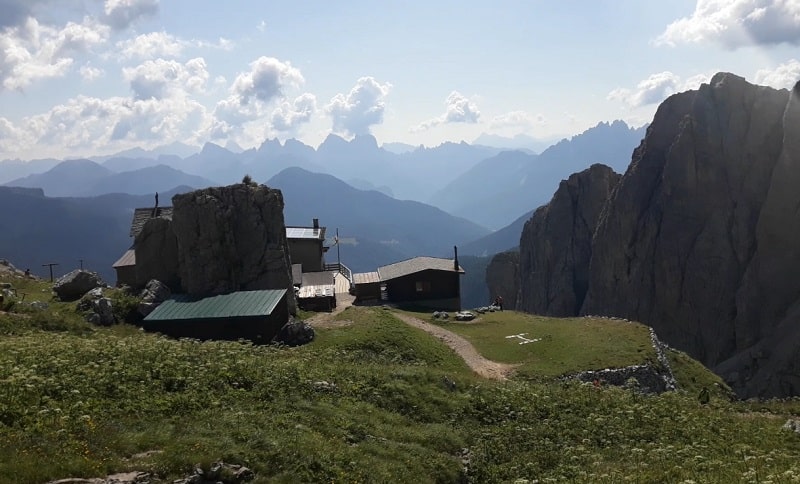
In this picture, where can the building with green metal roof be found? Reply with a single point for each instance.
(253, 315)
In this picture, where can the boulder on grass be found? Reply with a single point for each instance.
(71, 286)
(295, 333)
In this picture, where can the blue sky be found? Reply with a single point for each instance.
(84, 77)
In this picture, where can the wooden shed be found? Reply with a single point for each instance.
(317, 291)
(125, 267)
(367, 286)
(253, 315)
(426, 281)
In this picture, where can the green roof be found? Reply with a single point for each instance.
(235, 304)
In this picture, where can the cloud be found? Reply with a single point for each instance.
(91, 73)
(359, 109)
(289, 116)
(151, 45)
(516, 119)
(782, 77)
(737, 23)
(656, 88)
(88, 125)
(32, 51)
(160, 78)
(459, 110)
(120, 14)
(267, 79)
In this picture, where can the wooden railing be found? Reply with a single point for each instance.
(341, 268)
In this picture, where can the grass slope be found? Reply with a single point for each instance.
(366, 402)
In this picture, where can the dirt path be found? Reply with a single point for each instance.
(480, 365)
(326, 320)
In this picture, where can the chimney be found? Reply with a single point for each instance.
(455, 260)
(316, 223)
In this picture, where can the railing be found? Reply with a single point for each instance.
(342, 269)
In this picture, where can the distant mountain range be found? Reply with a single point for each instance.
(496, 191)
(85, 178)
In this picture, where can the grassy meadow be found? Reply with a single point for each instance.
(368, 401)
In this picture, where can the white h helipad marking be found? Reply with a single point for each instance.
(523, 338)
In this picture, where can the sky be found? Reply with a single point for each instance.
(93, 77)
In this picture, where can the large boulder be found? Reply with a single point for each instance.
(295, 333)
(700, 237)
(232, 239)
(154, 293)
(556, 244)
(72, 286)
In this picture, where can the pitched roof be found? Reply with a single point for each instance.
(305, 233)
(235, 304)
(366, 278)
(128, 259)
(142, 215)
(417, 264)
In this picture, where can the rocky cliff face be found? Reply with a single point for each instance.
(157, 254)
(502, 278)
(232, 239)
(701, 237)
(556, 244)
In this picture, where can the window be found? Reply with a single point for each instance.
(423, 286)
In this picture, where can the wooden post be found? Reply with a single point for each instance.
(50, 265)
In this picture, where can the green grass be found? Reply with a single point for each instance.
(78, 403)
(566, 346)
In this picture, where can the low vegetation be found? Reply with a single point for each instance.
(370, 401)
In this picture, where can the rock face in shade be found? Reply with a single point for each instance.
(232, 238)
(157, 253)
(502, 278)
(556, 244)
(701, 237)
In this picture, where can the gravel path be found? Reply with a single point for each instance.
(480, 365)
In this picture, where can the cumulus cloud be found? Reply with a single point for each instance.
(459, 109)
(289, 116)
(32, 51)
(120, 14)
(656, 88)
(782, 77)
(737, 23)
(354, 112)
(151, 45)
(516, 119)
(84, 125)
(91, 73)
(160, 78)
(266, 80)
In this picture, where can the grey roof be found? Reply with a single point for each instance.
(142, 215)
(235, 304)
(417, 264)
(128, 259)
(366, 278)
(317, 284)
(305, 233)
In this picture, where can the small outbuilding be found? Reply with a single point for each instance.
(317, 291)
(253, 315)
(125, 267)
(367, 286)
(425, 281)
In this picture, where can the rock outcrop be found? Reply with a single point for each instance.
(232, 239)
(701, 237)
(502, 278)
(556, 244)
(156, 249)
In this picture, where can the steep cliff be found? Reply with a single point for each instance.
(700, 238)
(502, 278)
(556, 244)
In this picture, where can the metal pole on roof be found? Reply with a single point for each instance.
(338, 252)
